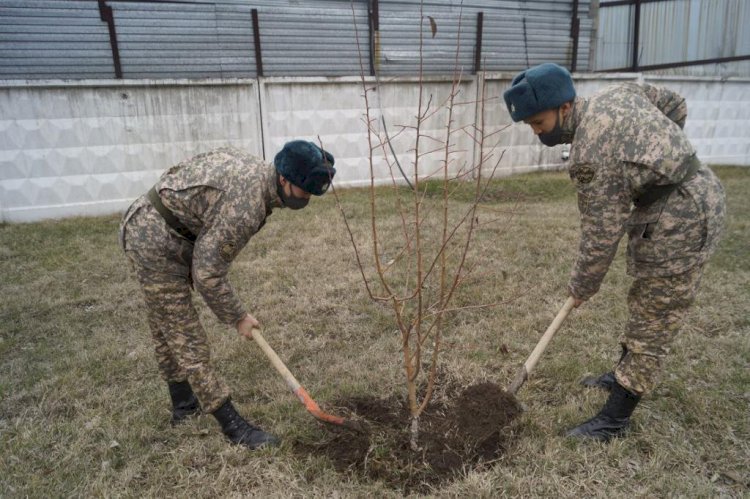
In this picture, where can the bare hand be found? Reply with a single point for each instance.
(246, 325)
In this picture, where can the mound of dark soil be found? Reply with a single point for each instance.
(463, 434)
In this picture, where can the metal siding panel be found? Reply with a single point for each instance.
(503, 45)
(516, 41)
(677, 31)
(716, 31)
(314, 39)
(615, 38)
(235, 35)
(162, 49)
(400, 35)
(743, 29)
(660, 41)
(307, 37)
(53, 39)
(587, 26)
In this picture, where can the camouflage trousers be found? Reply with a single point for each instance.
(657, 307)
(161, 261)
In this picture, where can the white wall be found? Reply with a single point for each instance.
(718, 121)
(87, 148)
(334, 112)
(91, 147)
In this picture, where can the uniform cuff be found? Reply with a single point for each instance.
(581, 292)
(233, 319)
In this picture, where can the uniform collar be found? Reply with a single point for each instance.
(575, 116)
(272, 195)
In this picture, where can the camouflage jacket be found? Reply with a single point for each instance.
(627, 139)
(223, 197)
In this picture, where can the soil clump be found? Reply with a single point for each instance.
(464, 433)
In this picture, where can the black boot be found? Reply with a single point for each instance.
(240, 431)
(606, 380)
(184, 401)
(612, 420)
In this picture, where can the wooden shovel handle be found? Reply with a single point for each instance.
(294, 385)
(531, 362)
(289, 378)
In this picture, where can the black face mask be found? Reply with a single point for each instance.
(556, 136)
(291, 202)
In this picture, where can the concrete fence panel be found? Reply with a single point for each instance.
(91, 147)
(88, 148)
(718, 122)
(334, 112)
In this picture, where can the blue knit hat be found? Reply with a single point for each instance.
(306, 165)
(537, 89)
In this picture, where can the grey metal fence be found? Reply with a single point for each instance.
(79, 39)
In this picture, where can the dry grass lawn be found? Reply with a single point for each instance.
(83, 411)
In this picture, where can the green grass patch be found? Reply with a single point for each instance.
(83, 411)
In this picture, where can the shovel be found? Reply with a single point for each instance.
(528, 366)
(294, 385)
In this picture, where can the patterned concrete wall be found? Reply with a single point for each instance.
(89, 148)
(86, 148)
(718, 116)
(717, 124)
(335, 111)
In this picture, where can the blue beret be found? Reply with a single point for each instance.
(306, 165)
(537, 89)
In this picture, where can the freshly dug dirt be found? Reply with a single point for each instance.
(463, 434)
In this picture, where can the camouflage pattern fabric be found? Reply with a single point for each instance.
(623, 144)
(224, 197)
(657, 307)
(626, 139)
(182, 350)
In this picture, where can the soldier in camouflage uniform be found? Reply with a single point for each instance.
(635, 172)
(184, 234)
